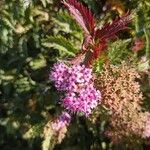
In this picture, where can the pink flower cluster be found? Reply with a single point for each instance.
(68, 78)
(77, 82)
(61, 122)
(146, 133)
(59, 74)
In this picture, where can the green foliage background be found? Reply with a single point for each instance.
(33, 35)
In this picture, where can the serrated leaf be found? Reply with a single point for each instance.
(60, 43)
(109, 31)
(82, 15)
(8, 23)
(117, 51)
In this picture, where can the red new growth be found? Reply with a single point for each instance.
(95, 40)
(82, 15)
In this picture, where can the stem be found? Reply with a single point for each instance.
(147, 36)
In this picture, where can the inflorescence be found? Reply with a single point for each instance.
(78, 84)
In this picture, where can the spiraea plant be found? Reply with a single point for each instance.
(75, 78)
(122, 97)
(64, 78)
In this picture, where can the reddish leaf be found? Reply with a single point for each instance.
(82, 15)
(98, 49)
(86, 42)
(94, 53)
(109, 30)
(95, 40)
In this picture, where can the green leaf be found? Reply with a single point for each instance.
(60, 43)
(117, 51)
(34, 131)
(38, 63)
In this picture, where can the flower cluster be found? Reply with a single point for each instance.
(55, 130)
(77, 82)
(61, 122)
(59, 75)
(70, 78)
(121, 94)
(84, 101)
